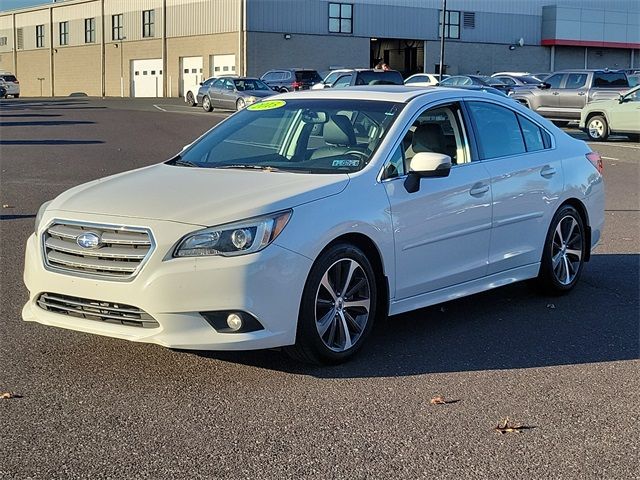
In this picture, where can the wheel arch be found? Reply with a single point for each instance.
(582, 210)
(371, 250)
(595, 113)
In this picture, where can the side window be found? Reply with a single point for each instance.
(331, 78)
(437, 130)
(228, 84)
(507, 80)
(267, 77)
(576, 80)
(416, 79)
(208, 82)
(218, 83)
(498, 130)
(555, 80)
(395, 167)
(532, 134)
(343, 81)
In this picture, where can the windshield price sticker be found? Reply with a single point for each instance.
(346, 163)
(268, 105)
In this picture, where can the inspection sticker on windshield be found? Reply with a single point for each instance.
(268, 105)
(345, 163)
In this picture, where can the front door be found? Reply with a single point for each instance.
(442, 231)
(625, 116)
(573, 95)
(547, 98)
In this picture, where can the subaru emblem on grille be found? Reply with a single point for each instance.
(88, 240)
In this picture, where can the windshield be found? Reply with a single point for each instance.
(250, 84)
(8, 78)
(305, 136)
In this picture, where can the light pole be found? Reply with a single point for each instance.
(444, 20)
(121, 68)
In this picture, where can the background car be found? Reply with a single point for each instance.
(330, 77)
(602, 118)
(11, 84)
(480, 80)
(234, 93)
(3, 90)
(192, 96)
(518, 80)
(367, 76)
(290, 80)
(424, 79)
(634, 79)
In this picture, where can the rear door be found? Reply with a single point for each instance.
(526, 180)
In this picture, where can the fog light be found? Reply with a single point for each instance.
(234, 321)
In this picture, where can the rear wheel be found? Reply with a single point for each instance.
(206, 104)
(338, 307)
(597, 128)
(240, 104)
(190, 100)
(564, 252)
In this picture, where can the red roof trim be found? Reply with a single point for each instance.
(587, 43)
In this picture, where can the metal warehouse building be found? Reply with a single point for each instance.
(156, 47)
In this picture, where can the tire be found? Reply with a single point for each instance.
(597, 128)
(16, 95)
(206, 104)
(240, 104)
(326, 313)
(559, 123)
(284, 90)
(564, 252)
(190, 100)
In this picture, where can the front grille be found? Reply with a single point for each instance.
(120, 253)
(107, 312)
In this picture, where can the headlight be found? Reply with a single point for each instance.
(41, 210)
(240, 238)
(250, 99)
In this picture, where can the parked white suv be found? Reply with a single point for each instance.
(11, 84)
(299, 220)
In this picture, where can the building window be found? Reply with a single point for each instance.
(451, 24)
(19, 38)
(116, 27)
(340, 18)
(89, 30)
(148, 23)
(39, 36)
(63, 31)
(3, 41)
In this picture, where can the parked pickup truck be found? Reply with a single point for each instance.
(562, 95)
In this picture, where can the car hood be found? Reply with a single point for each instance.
(197, 196)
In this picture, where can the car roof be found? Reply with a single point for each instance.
(388, 93)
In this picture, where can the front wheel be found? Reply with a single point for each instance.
(190, 100)
(597, 128)
(338, 307)
(239, 104)
(206, 104)
(564, 251)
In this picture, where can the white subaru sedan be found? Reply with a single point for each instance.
(301, 219)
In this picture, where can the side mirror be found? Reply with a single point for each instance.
(426, 165)
(201, 83)
(544, 85)
(621, 98)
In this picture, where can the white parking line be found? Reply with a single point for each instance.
(158, 107)
(608, 158)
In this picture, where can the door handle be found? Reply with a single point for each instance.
(547, 171)
(479, 189)
(555, 93)
(582, 94)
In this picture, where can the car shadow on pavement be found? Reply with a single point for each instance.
(45, 123)
(506, 328)
(50, 142)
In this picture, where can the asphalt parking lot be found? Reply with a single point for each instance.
(95, 407)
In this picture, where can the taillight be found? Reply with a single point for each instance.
(296, 84)
(596, 160)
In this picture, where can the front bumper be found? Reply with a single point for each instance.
(267, 284)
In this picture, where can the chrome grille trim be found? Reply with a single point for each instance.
(108, 312)
(123, 253)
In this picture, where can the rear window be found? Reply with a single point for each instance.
(8, 78)
(379, 78)
(308, 76)
(610, 79)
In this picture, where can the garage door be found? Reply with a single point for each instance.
(222, 65)
(147, 77)
(191, 68)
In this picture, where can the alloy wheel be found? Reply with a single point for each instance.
(190, 99)
(566, 250)
(240, 104)
(596, 128)
(343, 303)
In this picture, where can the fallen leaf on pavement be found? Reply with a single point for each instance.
(441, 401)
(7, 395)
(507, 426)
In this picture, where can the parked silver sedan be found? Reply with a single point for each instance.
(233, 93)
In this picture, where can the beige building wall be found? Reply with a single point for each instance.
(32, 65)
(77, 70)
(144, 49)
